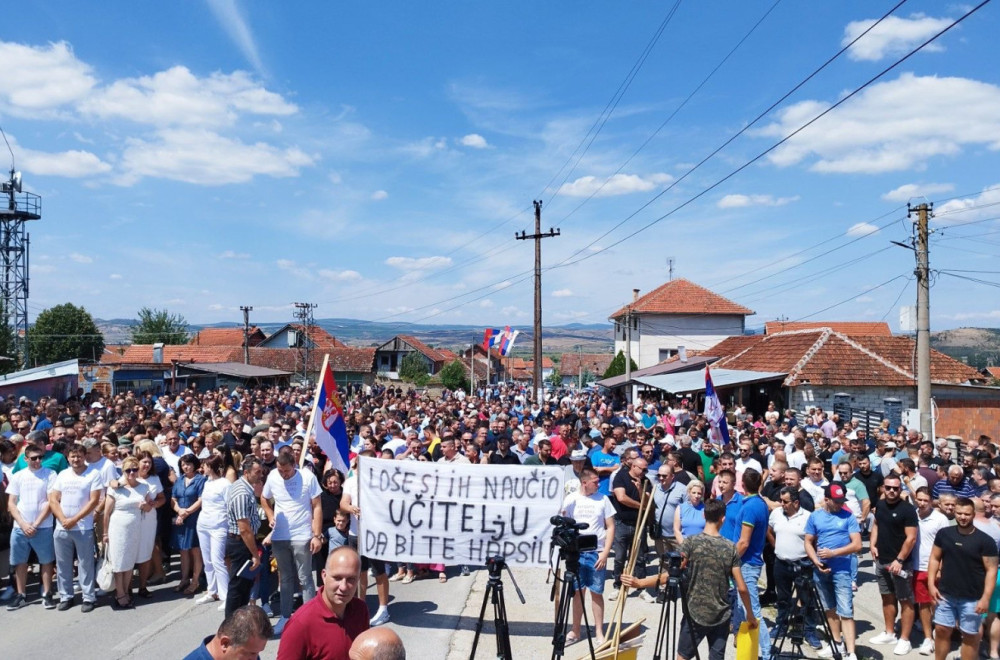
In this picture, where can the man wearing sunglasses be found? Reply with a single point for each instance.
(29, 506)
(893, 538)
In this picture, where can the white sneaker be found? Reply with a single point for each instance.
(279, 627)
(380, 619)
(222, 606)
(827, 651)
(903, 647)
(883, 638)
(850, 656)
(646, 596)
(205, 598)
(926, 647)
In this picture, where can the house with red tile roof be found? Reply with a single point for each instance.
(678, 313)
(296, 335)
(590, 365)
(226, 337)
(389, 356)
(849, 328)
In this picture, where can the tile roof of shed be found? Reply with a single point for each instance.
(681, 296)
(850, 328)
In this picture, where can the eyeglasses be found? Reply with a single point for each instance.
(662, 476)
(131, 470)
(32, 458)
(890, 487)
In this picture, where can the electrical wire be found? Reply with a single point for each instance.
(906, 285)
(847, 300)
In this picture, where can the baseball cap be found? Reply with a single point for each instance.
(890, 445)
(836, 493)
(578, 455)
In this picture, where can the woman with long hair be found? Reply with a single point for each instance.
(187, 503)
(123, 510)
(332, 487)
(212, 528)
(689, 517)
(229, 462)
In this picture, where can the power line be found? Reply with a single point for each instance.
(847, 300)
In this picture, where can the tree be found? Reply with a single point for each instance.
(413, 369)
(453, 376)
(617, 366)
(555, 378)
(62, 333)
(159, 326)
(587, 376)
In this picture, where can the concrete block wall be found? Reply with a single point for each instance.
(804, 397)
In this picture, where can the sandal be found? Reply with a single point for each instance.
(442, 578)
(396, 577)
(408, 579)
(192, 590)
(127, 605)
(144, 593)
(572, 638)
(181, 586)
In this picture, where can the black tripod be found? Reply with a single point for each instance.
(792, 624)
(669, 595)
(494, 594)
(570, 586)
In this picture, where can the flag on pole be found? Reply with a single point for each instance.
(507, 343)
(714, 411)
(491, 338)
(329, 425)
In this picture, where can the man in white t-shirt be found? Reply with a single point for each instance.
(744, 460)
(296, 529)
(28, 504)
(73, 498)
(173, 450)
(815, 482)
(929, 522)
(589, 506)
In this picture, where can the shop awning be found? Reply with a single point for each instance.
(694, 381)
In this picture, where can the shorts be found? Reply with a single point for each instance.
(377, 565)
(958, 611)
(835, 591)
(921, 596)
(995, 599)
(889, 584)
(21, 546)
(590, 577)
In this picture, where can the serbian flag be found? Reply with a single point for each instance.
(491, 338)
(714, 411)
(507, 342)
(329, 426)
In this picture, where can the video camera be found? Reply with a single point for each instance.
(673, 562)
(567, 537)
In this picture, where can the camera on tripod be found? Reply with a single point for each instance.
(567, 537)
(673, 562)
(495, 565)
(802, 571)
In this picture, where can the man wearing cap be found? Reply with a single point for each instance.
(502, 455)
(832, 536)
(578, 462)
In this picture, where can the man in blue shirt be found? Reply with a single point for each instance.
(726, 481)
(832, 536)
(243, 634)
(605, 462)
(750, 535)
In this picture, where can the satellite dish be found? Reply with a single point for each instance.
(15, 180)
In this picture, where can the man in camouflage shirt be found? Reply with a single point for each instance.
(711, 561)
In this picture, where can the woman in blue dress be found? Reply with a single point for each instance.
(186, 503)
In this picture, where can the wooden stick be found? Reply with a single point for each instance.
(312, 415)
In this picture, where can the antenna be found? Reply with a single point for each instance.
(670, 269)
(10, 150)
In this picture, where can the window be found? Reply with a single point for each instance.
(667, 353)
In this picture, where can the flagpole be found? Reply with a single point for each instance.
(312, 415)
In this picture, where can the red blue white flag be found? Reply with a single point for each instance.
(491, 338)
(507, 342)
(714, 411)
(330, 427)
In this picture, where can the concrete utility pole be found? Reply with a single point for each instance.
(922, 272)
(537, 237)
(246, 309)
(628, 345)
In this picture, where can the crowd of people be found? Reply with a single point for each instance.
(225, 493)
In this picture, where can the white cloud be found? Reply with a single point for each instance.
(737, 201)
(892, 37)
(426, 147)
(475, 141)
(379, 195)
(562, 293)
(232, 254)
(73, 164)
(502, 285)
(115, 276)
(207, 158)
(294, 269)
(335, 178)
(81, 258)
(486, 303)
(42, 78)
(619, 184)
(891, 126)
(864, 299)
(340, 275)
(216, 307)
(177, 97)
(422, 263)
(908, 191)
(967, 209)
(228, 13)
(967, 316)
(511, 310)
(861, 229)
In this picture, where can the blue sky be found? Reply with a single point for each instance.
(377, 158)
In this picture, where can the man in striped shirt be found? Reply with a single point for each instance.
(243, 520)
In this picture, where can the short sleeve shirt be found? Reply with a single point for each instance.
(593, 509)
(754, 513)
(292, 504)
(833, 530)
(963, 575)
(711, 560)
(74, 494)
(32, 490)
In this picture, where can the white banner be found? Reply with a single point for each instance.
(436, 513)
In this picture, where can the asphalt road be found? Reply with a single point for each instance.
(434, 620)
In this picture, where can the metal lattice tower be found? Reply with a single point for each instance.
(14, 243)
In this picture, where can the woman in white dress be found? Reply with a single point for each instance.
(212, 529)
(123, 511)
(147, 539)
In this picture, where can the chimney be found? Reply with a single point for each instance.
(158, 353)
(682, 353)
(635, 295)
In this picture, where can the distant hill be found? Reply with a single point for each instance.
(591, 338)
(977, 347)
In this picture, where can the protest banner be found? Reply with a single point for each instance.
(436, 513)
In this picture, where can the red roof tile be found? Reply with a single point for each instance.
(225, 337)
(342, 358)
(825, 357)
(683, 297)
(143, 354)
(994, 371)
(595, 363)
(430, 353)
(850, 328)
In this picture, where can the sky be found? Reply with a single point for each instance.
(377, 159)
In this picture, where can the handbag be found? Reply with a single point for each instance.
(106, 574)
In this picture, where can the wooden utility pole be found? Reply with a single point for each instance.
(922, 272)
(537, 237)
(246, 309)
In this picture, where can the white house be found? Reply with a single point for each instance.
(678, 313)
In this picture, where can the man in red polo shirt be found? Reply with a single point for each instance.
(325, 626)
